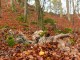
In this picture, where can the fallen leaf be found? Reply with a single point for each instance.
(41, 53)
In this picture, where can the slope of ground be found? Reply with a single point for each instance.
(48, 51)
(9, 18)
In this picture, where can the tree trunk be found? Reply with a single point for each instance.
(68, 14)
(73, 7)
(78, 6)
(25, 11)
(61, 10)
(0, 8)
(70, 2)
(39, 12)
(13, 5)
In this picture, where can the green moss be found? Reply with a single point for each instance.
(26, 44)
(26, 29)
(4, 26)
(58, 31)
(68, 30)
(72, 41)
(21, 18)
(10, 41)
(43, 33)
(45, 29)
(33, 22)
(49, 20)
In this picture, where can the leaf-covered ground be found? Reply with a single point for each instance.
(48, 51)
(62, 49)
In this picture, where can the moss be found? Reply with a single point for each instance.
(68, 30)
(33, 22)
(26, 29)
(49, 20)
(21, 18)
(4, 26)
(58, 31)
(72, 41)
(42, 33)
(10, 41)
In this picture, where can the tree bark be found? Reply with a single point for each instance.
(68, 14)
(13, 5)
(78, 1)
(73, 7)
(40, 13)
(44, 40)
(0, 8)
(61, 10)
(25, 11)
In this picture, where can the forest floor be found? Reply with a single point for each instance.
(48, 51)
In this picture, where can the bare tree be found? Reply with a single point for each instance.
(73, 7)
(61, 10)
(13, 5)
(39, 12)
(0, 8)
(67, 5)
(78, 2)
(25, 11)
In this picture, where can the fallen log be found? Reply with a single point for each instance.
(43, 40)
(61, 36)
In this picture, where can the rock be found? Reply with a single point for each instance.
(42, 37)
(43, 40)
(36, 34)
(21, 38)
(11, 32)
